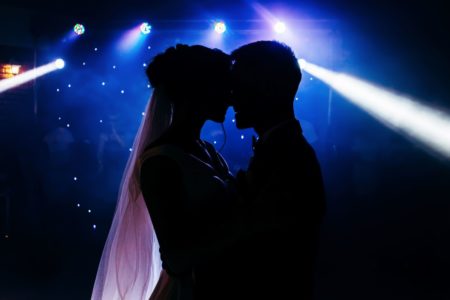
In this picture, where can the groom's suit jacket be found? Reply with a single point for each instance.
(284, 194)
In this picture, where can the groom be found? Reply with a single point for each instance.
(282, 188)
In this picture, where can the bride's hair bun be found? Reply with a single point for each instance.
(183, 71)
(164, 69)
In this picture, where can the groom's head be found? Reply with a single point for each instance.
(266, 76)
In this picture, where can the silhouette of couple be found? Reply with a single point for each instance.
(184, 227)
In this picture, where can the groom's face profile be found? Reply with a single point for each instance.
(244, 96)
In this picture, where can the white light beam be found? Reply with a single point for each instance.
(424, 124)
(9, 83)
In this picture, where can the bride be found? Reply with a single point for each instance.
(177, 194)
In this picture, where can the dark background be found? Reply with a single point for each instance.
(386, 233)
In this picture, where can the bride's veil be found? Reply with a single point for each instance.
(130, 265)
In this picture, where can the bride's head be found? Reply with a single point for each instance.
(194, 79)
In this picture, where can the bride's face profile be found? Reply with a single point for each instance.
(195, 78)
(217, 96)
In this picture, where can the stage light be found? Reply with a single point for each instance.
(220, 27)
(60, 63)
(8, 71)
(79, 29)
(279, 27)
(146, 28)
(133, 38)
(15, 69)
(27, 76)
(420, 123)
(301, 63)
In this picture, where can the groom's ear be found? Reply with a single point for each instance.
(269, 88)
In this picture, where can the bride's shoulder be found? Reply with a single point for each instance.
(163, 149)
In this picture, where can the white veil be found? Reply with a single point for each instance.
(130, 265)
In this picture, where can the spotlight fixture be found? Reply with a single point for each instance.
(60, 63)
(79, 29)
(220, 27)
(301, 63)
(146, 28)
(279, 27)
